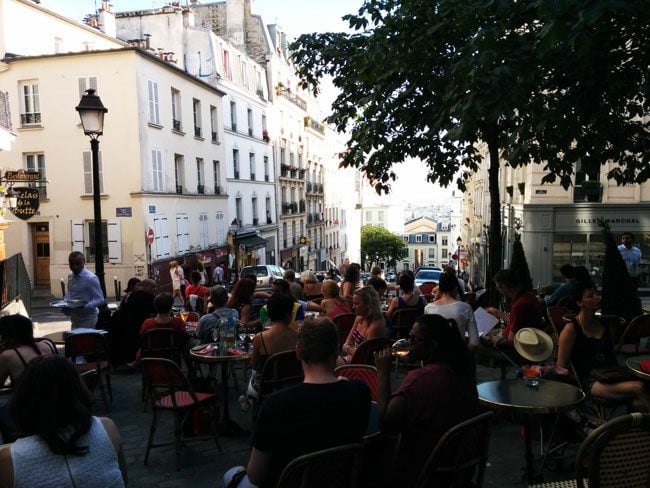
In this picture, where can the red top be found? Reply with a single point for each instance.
(199, 290)
(525, 311)
(176, 323)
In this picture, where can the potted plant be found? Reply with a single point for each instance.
(265, 136)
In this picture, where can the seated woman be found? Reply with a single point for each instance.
(408, 299)
(450, 307)
(311, 287)
(64, 445)
(19, 348)
(333, 304)
(280, 337)
(431, 399)
(587, 344)
(368, 324)
(241, 299)
(351, 281)
(195, 294)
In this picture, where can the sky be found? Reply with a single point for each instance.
(296, 17)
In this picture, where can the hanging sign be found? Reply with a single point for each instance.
(27, 203)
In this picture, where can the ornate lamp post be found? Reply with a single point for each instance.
(91, 111)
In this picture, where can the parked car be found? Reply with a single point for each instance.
(427, 275)
(264, 274)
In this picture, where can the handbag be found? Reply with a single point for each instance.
(614, 374)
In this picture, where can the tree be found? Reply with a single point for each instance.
(445, 81)
(519, 265)
(378, 244)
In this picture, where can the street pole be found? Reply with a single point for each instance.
(99, 245)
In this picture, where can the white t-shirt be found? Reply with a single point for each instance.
(462, 313)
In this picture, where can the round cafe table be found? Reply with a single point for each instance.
(513, 395)
(634, 365)
(218, 356)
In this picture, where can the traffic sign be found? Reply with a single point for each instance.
(150, 236)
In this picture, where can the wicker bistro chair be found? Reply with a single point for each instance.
(459, 456)
(616, 454)
(169, 390)
(362, 372)
(365, 353)
(556, 316)
(401, 322)
(344, 324)
(88, 351)
(280, 371)
(632, 340)
(338, 467)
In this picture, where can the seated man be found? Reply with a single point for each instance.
(218, 299)
(321, 413)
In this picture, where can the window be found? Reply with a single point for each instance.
(30, 104)
(216, 175)
(432, 253)
(406, 239)
(266, 168)
(284, 235)
(196, 107)
(244, 74)
(200, 176)
(444, 241)
(249, 114)
(251, 162)
(157, 170)
(182, 232)
(269, 218)
(83, 240)
(176, 110)
(161, 236)
(254, 207)
(88, 173)
(214, 123)
(36, 162)
(263, 122)
(233, 116)
(179, 172)
(380, 217)
(90, 248)
(259, 86)
(86, 83)
(221, 232)
(432, 239)
(368, 216)
(238, 209)
(154, 110)
(226, 64)
(444, 253)
(235, 163)
(204, 241)
(283, 156)
(418, 238)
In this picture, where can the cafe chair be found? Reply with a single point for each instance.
(88, 351)
(50, 343)
(378, 459)
(338, 467)
(470, 297)
(162, 343)
(630, 343)
(280, 371)
(401, 322)
(169, 390)
(556, 316)
(459, 456)
(615, 455)
(362, 372)
(427, 287)
(365, 353)
(344, 324)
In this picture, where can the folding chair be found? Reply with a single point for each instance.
(344, 324)
(280, 371)
(338, 467)
(362, 372)
(169, 390)
(88, 351)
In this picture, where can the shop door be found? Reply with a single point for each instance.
(41, 253)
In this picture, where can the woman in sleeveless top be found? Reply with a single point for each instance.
(64, 445)
(368, 324)
(351, 281)
(332, 304)
(17, 340)
(241, 299)
(586, 343)
(280, 337)
(408, 298)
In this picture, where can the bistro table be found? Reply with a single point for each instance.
(58, 338)
(634, 365)
(218, 356)
(514, 395)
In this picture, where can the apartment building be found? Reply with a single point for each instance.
(430, 243)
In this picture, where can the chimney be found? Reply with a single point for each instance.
(235, 23)
(106, 20)
(147, 41)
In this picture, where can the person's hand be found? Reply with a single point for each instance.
(383, 361)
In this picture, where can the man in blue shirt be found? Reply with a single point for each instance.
(631, 255)
(84, 294)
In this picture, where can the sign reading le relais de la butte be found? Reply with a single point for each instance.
(28, 199)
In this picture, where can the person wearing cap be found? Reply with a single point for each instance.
(431, 399)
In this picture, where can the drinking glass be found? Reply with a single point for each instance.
(400, 347)
(215, 334)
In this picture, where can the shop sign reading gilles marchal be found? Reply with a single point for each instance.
(28, 199)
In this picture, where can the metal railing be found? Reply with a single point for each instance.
(14, 282)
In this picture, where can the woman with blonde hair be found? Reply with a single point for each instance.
(311, 287)
(369, 322)
(333, 304)
(178, 279)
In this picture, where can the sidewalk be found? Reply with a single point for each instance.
(203, 465)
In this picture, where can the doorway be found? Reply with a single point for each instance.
(41, 253)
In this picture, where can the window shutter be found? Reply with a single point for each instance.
(182, 233)
(77, 233)
(203, 230)
(114, 242)
(161, 236)
(88, 173)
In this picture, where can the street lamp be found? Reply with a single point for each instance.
(458, 242)
(91, 111)
(234, 228)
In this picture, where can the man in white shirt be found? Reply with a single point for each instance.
(631, 255)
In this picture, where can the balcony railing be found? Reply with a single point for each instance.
(214, 137)
(252, 176)
(266, 177)
(179, 189)
(33, 118)
(200, 189)
(176, 124)
(256, 220)
(236, 174)
(581, 194)
(197, 131)
(217, 190)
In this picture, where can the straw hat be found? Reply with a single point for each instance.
(533, 344)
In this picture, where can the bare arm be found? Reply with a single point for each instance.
(6, 468)
(116, 439)
(245, 314)
(565, 345)
(256, 350)
(394, 303)
(258, 466)
(376, 329)
(348, 345)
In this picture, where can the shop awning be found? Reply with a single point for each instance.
(252, 243)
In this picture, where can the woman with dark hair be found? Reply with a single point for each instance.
(587, 344)
(64, 445)
(408, 299)
(431, 399)
(130, 287)
(350, 281)
(241, 298)
(18, 348)
(450, 307)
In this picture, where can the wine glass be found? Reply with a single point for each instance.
(215, 334)
(400, 347)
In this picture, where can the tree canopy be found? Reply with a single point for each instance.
(380, 245)
(555, 82)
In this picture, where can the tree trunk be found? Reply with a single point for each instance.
(495, 243)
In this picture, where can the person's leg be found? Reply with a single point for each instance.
(244, 482)
(626, 391)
